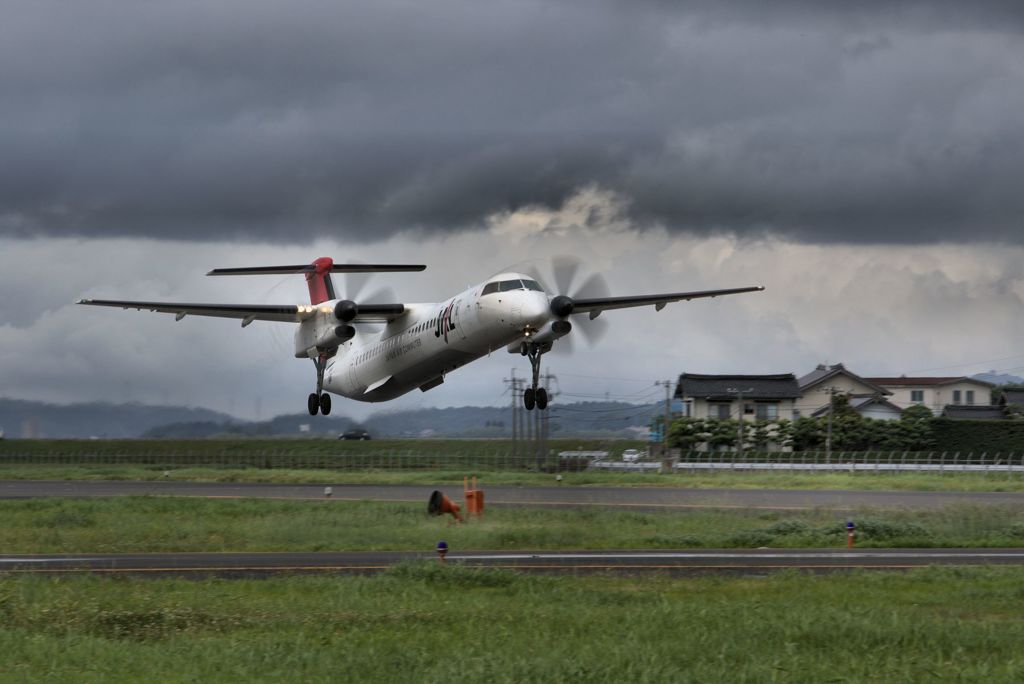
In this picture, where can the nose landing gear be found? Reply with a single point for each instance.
(534, 395)
(319, 401)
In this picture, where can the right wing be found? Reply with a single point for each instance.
(594, 306)
(285, 313)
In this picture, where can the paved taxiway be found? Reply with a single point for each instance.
(673, 562)
(653, 498)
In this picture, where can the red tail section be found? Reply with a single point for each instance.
(321, 289)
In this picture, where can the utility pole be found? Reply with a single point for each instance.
(739, 396)
(831, 389)
(668, 415)
(513, 383)
(543, 422)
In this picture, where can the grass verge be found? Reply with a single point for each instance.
(422, 622)
(949, 482)
(155, 524)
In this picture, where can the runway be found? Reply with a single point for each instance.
(670, 562)
(634, 498)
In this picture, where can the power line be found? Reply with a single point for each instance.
(972, 363)
(608, 377)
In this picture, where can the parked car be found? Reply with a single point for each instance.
(355, 434)
(631, 455)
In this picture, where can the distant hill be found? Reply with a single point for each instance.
(19, 418)
(613, 419)
(999, 378)
(292, 424)
(28, 419)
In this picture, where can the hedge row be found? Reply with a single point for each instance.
(998, 436)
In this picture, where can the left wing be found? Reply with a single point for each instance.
(596, 305)
(285, 313)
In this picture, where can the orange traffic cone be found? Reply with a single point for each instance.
(440, 504)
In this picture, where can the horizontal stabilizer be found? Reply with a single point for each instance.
(312, 268)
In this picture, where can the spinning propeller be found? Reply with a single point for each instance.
(570, 286)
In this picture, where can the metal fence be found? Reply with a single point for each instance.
(843, 461)
(508, 460)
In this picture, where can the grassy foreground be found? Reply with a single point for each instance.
(155, 524)
(428, 623)
(948, 482)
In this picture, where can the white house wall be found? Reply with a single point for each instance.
(937, 396)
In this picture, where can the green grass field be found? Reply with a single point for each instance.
(153, 524)
(428, 623)
(966, 482)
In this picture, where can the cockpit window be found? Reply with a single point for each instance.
(509, 285)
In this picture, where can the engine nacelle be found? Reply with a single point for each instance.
(544, 337)
(333, 337)
(346, 310)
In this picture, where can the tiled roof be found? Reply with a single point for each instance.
(859, 402)
(973, 412)
(716, 387)
(1013, 396)
(823, 372)
(904, 381)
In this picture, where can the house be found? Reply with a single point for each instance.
(751, 397)
(869, 399)
(935, 392)
(875, 407)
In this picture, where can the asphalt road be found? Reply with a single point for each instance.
(676, 562)
(605, 497)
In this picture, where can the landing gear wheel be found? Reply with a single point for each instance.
(313, 404)
(528, 398)
(325, 404)
(542, 398)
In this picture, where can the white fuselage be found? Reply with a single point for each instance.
(418, 348)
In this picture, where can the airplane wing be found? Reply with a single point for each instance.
(596, 305)
(286, 313)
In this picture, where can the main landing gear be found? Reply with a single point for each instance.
(320, 400)
(534, 395)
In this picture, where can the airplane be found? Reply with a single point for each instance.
(419, 344)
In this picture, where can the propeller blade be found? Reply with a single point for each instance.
(592, 329)
(382, 295)
(355, 283)
(564, 269)
(593, 287)
(534, 272)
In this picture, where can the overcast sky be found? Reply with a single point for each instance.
(861, 160)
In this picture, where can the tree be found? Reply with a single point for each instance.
(916, 413)
(841, 407)
(808, 434)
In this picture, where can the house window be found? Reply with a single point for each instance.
(956, 397)
(748, 409)
(719, 411)
(767, 411)
(917, 396)
(796, 413)
(970, 397)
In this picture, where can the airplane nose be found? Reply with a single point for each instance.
(535, 310)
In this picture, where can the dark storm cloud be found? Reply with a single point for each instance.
(870, 121)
